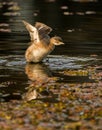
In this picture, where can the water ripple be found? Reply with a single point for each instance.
(55, 62)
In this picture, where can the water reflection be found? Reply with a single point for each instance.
(39, 75)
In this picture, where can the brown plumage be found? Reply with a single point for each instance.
(41, 43)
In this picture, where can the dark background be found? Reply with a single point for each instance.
(79, 23)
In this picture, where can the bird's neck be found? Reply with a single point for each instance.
(51, 46)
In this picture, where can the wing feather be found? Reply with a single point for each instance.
(32, 31)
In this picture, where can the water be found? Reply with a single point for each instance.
(67, 86)
(79, 25)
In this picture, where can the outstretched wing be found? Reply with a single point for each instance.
(43, 29)
(32, 31)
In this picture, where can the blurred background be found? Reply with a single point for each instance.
(78, 22)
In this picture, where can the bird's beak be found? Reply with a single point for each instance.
(61, 43)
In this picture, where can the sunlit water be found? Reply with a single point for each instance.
(79, 25)
(15, 73)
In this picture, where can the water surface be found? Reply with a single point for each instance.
(69, 81)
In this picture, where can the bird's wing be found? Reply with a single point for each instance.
(32, 31)
(43, 29)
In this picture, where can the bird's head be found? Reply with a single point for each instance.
(56, 40)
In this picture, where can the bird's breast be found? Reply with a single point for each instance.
(39, 52)
(36, 53)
